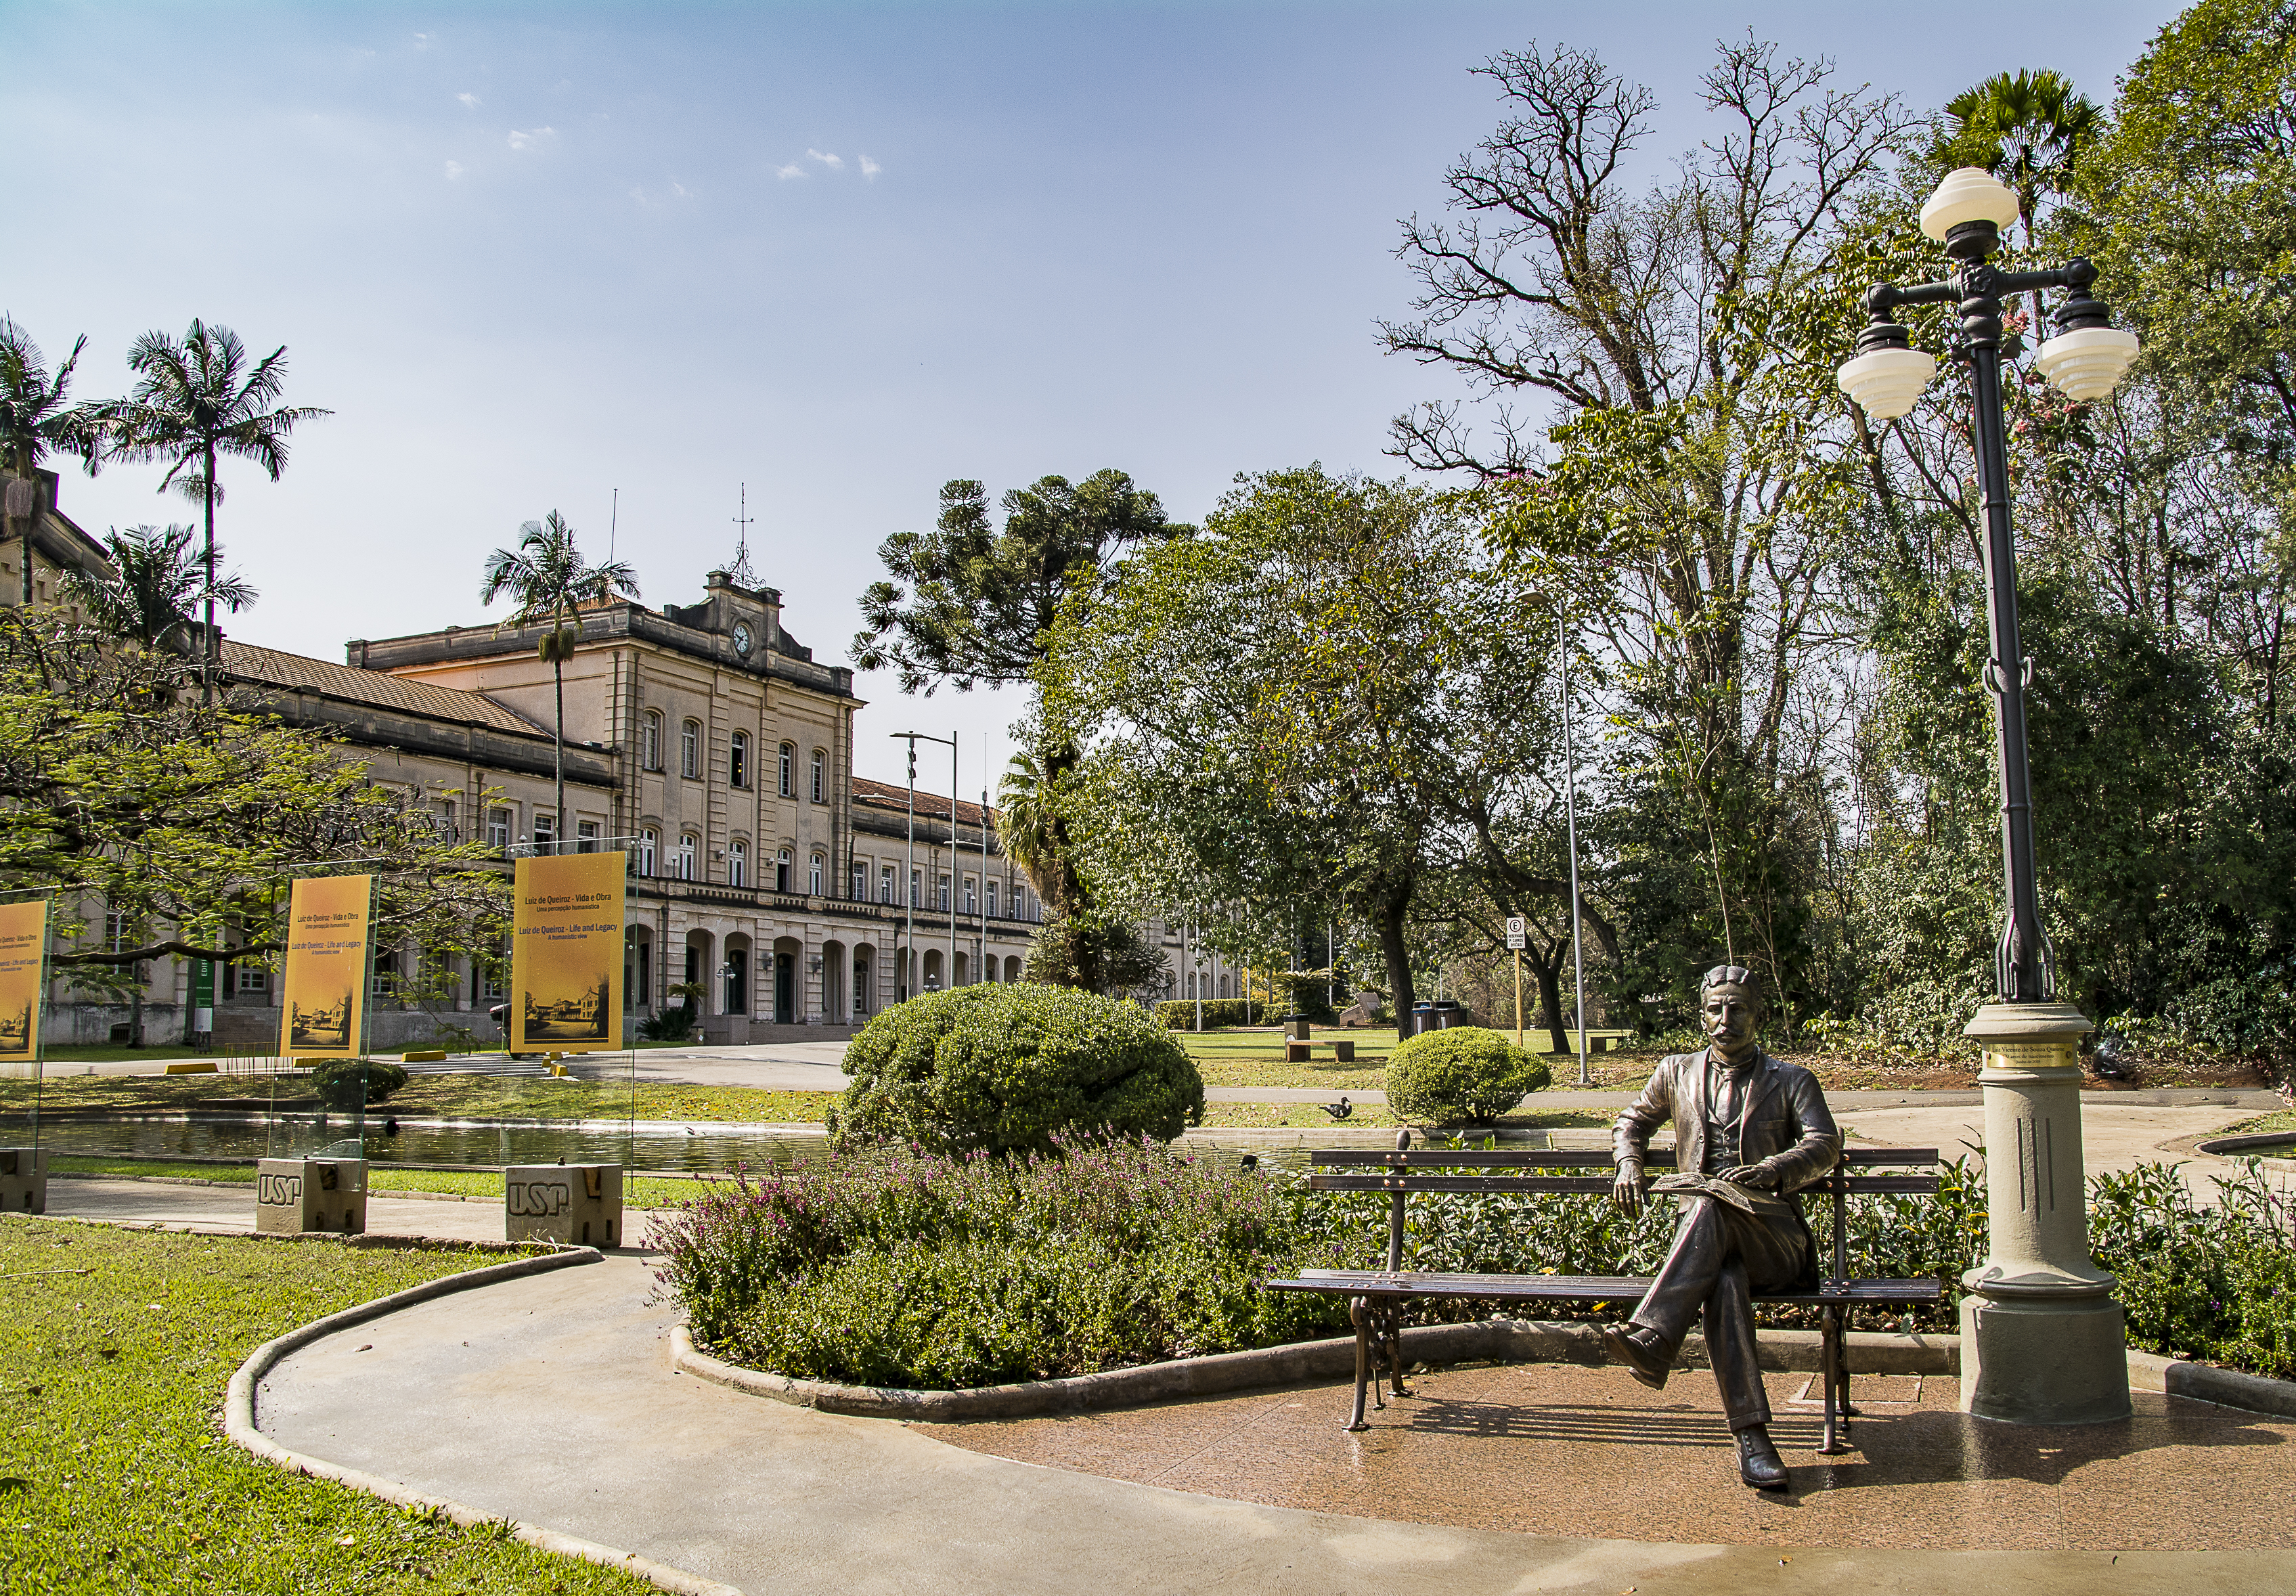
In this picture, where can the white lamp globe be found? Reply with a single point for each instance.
(1885, 382)
(1968, 194)
(2088, 362)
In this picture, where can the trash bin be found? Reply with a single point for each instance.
(24, 1180)
(1436, 1017)
(579, 1205)
(295, 1196)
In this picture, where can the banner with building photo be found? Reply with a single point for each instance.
(23, 968)
(566, 954)
(322, 999)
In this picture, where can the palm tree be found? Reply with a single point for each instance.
(154, 583)
(1026, 825)
(35, 422)
(194, 402)
(546, 577)
(2031, 130)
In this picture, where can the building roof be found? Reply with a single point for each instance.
(930, 806)
(271, 667)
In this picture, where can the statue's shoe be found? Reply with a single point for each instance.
(1639, 1352)
(1758, 1462)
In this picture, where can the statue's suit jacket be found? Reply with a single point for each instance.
(1787, 1125)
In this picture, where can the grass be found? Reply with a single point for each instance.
(114, 1472)
(1240, 1057)
(638, 1190)
(2283, 1124)
(443, 1096)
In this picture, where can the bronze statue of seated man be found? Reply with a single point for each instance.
(1747, 1132)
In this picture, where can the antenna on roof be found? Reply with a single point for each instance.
(739, 572)
(613, 525)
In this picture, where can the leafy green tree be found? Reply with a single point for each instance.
(35, 422)
(196, 402)
(1691, 489)
(1334, 694)
(149, 593)
(549, 581)
(184, 821)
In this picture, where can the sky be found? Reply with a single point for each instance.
(621, 260)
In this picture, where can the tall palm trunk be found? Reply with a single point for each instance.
(558, 749)
(210, 654)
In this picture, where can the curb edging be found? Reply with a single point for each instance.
(239, 1425)
(1494, 1340)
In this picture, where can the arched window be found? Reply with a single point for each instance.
(689, 750)
(820, 777)
(649, 841)
(789, 770)
(737, 864)
(688, 847)
(650, 741)
(737, 759)
(813, 877)
(782, 870)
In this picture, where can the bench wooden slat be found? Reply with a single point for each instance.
(1555, 1158)
(1912, 1183)
(1568, 1288)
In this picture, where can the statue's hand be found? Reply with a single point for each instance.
(1626, 1190)
(1756, 1175)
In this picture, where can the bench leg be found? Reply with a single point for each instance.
(1833, 1372)
(1359, 1310)
(1391, 1336)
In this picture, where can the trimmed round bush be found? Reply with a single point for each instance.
(1463, 1074)
(1009, 1066)
(337, 1082)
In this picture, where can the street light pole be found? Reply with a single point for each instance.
(2042, 1338)
(955, 859)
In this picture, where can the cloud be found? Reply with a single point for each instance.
(453, 170)
(422, 41)
(870, 168)
(527, 141)
(470, 100)
(833, 162)
(789, 171)
(679, 189)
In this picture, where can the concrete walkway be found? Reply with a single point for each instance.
(549, 1400)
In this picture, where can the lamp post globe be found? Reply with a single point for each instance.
(2042, 1338)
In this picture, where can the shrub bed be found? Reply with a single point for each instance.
(1008, 1068)
(896, 1268)
(1464, 1073)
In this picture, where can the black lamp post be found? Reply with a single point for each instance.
(2085, 360)
(2042, 1339)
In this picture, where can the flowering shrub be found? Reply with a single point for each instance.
(1010, 1066)
(894, 1267)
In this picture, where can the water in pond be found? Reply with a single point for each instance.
(700, 1150)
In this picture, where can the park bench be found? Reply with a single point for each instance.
(1376, 1297)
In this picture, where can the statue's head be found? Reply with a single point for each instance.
(1730, 1007)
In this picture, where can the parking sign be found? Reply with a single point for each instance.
(1516, 938)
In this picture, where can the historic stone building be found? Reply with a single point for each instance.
(761, 872)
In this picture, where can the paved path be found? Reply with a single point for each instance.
(549, 1400)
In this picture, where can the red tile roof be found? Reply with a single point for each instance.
(930, 806)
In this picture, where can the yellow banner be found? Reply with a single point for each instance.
(566, 954)
(325, 995)
(23, 961)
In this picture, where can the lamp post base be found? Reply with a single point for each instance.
(2041, 1336)
(2049, 1357)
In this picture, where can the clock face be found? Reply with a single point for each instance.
(741, 637)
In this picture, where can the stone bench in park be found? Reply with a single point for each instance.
(298, 1196)
(576, 1205)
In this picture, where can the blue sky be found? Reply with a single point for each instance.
(529, 255)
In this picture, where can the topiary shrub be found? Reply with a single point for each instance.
(1465, 1073)
(338, 1084)
(1007, 1066)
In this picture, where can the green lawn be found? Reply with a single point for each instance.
(114, 1472)
(2283, 1124)
(445, 1096)
(1370, 1116)
(638, 1190)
